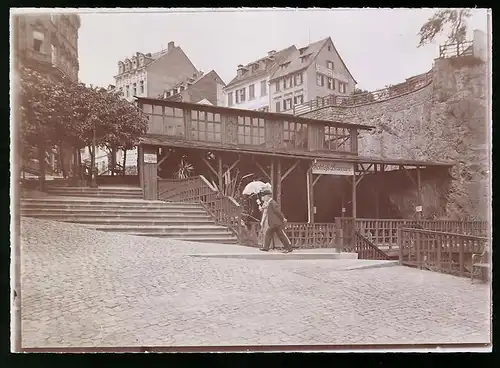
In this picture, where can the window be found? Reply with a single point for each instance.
(294, 135)
(169, 93)
(277, 86)
(329, 48)
(297, 100)
(263, 88)
(240, 95)
(337, 139)
(181, 88)
(342, 87)
(205, 126)
(320, 80)
(331, 83)
(38, 38)
(288, 104)
(53, 54)
(126, 91)
(278, 104)
(134, 64)
(329, 64)
(287, 82)
(141, 83)
(298, 79)
(251, 91)
(251, 131)
(134, 89)
(230, 99)
(120, 90)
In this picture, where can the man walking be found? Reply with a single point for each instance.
(276, 222)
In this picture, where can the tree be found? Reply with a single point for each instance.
(455, 19)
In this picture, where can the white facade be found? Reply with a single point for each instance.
(240, 96)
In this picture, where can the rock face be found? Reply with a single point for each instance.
(445, 120)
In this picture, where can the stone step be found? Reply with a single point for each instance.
(121, 213)
(199, 229)
(108, 202)
(200, 238)
(152, 221)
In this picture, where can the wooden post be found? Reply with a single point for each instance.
(377, 183)
(419, 193)
(140, 159)
(310, 196)
(271, 177)
(150, 175)
(354, 193)
(278, 184)
(219, 173)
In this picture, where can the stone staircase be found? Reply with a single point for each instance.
(121, 210)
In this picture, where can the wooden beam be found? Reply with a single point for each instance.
(210, 166)
(167, 155)
(402, 168)
(278, 183)
(219, 172)
(376, 190)
(419, 192)
(310, 196)
(233, 165)
(264, 171)
(354, 195)
(271, 177)
(290, 169)
(317, 178)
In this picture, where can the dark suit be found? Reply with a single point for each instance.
(276, 221)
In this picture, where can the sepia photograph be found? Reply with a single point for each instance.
(250, 179)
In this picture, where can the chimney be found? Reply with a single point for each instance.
(240, 70)
(271, 53)
(170, 46)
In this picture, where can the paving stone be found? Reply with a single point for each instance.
(87, 288)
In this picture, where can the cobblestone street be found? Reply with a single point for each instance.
(84, 288)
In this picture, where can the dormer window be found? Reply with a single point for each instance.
(141, 61)
(134, 63)
(182, 88)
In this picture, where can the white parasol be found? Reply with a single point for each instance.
(254, 187)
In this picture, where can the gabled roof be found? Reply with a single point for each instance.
(311, 51)
(176, 97)
(268, 69)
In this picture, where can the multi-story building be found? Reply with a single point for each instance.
(48, 43)
(149, 75)
(204, 88)
(315, 70)
(290, 77)
(250, 88)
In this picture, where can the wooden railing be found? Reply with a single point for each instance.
(224, 210)
(456, 49)
(439, 251)
(384, 232)
(410, 85)
(365, 248)
(301, 235)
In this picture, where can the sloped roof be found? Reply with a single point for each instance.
(313, 49)
(177, 96)
(278, 57)
(294, 59)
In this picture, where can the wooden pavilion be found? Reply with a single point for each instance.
(280, 146)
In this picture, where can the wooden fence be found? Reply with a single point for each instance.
(456, 49)
(384, 232)
(301, 235)
(410, 85)
(439, 251)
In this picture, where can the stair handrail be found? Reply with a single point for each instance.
(366, 249)
(225, 210)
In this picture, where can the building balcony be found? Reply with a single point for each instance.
(38, 56)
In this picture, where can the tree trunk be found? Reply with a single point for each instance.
(41, 165)
(61, 161)
(113, 161)
(124, 161)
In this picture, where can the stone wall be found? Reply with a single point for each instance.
(442, 121)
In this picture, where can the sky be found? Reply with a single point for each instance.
(378, 46)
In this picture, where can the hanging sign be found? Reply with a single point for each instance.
(332, 168)
(150, 158)
(418, 209)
